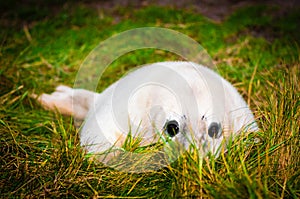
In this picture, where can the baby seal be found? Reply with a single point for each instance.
(181, 102)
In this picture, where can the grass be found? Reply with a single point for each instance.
(40, 151)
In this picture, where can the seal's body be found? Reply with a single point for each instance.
(180, 101)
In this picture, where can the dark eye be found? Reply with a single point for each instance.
(172, 128)
(214, 130)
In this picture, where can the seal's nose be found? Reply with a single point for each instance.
(214, 130)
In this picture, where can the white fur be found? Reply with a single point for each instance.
(144, 100)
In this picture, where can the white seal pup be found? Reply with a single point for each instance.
(183, 101)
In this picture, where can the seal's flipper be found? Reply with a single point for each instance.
(68, 101)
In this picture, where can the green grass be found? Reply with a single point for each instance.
(40, 151)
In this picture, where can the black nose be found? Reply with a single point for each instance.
(214, 130)
(172, 128)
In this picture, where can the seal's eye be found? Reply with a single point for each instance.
(172, 128)
(214, 130)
